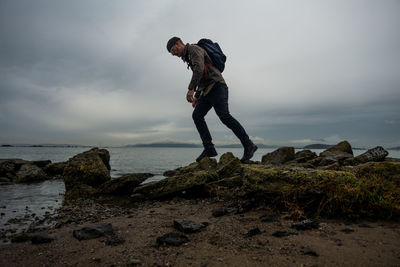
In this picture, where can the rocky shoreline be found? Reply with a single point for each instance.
(289, 209)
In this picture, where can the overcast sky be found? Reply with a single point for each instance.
(299, 72)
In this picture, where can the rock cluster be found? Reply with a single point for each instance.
(24, 171)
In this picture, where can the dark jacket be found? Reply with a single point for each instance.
(204, 73)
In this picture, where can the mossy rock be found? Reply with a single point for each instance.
(175, 185)
(205, 164)
(87, 168)
(228, 165)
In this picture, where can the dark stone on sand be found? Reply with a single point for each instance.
(268, 218)
(188, 226)
(347, 230)
(19, 238)
(364, 225)
(218, 212)
(41, 239)
(306, 225)
(279, 156)
(283, 233)
(93, 231)
(172, 238)
(309, 251)
(252, 232)
(114, 240)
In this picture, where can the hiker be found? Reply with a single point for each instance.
(207, 89)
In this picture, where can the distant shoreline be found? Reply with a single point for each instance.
(184, 145)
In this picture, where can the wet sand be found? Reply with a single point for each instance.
(221, 243)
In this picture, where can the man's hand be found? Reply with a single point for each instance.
(189, 96)
(194, 102)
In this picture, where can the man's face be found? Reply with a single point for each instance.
(177, 49)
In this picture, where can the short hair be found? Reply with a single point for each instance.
(171, 42)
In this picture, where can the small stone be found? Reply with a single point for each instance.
(309, 251)
(172, 238)
(363, 225)
(252, 232)
(283, 233)
(306, 225)
(41, 239)
(347, 230)
(187, 226)
(134, 262)
(268, 218)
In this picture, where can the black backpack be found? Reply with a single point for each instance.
(215, 52)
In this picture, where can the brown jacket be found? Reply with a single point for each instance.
(204, 73)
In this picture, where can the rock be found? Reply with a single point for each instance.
(41, 239)
(228, 165)
(4, 181)
(41, 163)
(208, 163)
(347, 230)
(375, 154)
(339, 152)
(22, 237)
(188, 226)
(55, 169)
(279, 156)
(218, 212)
(93, 231)
(134, 262)
(173, 239)
(114, 240)
(123, 185)
(29, 173)
(304, 156)
(268, 218)
(190, 185)
(364, 225)
(80, 191)
(306, 225)
(252, 232)
(309, 251)
(283, 233)
(87, 168)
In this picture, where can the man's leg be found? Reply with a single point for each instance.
(220, 103)
(200, 111)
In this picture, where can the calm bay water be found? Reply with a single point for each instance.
(20, 201)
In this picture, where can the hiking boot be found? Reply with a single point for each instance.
(207, 152)
(248, 152)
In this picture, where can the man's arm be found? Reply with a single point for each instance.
(196, 55)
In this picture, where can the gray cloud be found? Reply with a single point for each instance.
(95, 72)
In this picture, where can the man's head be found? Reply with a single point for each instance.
(175, 46)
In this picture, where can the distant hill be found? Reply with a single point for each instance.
(394, 148)
(317, 146)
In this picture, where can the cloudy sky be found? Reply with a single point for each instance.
(299, 72)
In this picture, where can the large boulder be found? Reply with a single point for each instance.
(375, 154)
(89, 168)
(279, 156)
(29, 173)
(340, 154)
(342, 149)
(123, 185)
(10, 167)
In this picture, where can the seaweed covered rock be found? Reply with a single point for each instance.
(204, 164)
(189, 184)
(87, 168)
(123, 185)
(228, 165)
(304, 156)
(279, 156)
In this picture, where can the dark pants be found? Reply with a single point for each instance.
(217, 98)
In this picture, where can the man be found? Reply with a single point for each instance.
(211, 92)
